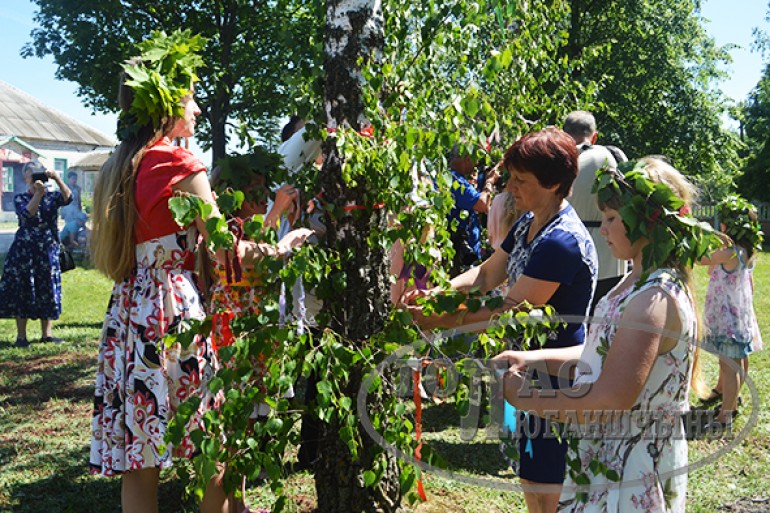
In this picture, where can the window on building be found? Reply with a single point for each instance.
(60, 165)
(8, 179)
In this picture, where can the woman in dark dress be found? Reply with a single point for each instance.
(548, 257)
(31, 282)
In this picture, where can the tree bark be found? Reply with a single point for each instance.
(354, 29)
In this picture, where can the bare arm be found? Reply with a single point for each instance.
(486, 277)
(490, 274)
(726, 257)
(65, 190)
(487, 192)
(625, 371)
(286, 198)
(559, 361)
(198, 185)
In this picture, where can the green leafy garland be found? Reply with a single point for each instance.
(734, 211)
(160, 78)
(653, 211)
(238, 171)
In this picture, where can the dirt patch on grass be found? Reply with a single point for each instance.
(748, 505)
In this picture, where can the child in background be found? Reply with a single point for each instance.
(732, 331)
(230, 294)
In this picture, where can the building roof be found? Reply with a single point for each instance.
(92, 161)
(23, 116)
(14, 139)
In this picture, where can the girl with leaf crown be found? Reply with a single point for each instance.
(632, 378)
(141, 381)
(732, 331)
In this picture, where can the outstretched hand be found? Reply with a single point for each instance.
(293, 240)
(411, 296)
(512, 360)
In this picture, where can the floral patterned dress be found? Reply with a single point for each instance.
(140, 382)
(234, 299)
(731, 323)
(636, 462)
(31, 284)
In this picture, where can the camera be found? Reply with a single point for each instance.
(39, 175)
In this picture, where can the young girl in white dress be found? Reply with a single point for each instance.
(732, 331)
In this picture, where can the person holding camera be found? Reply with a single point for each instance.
(31, 281)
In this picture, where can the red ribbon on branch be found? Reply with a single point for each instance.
(418, 431)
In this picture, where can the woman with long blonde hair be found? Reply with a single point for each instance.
(140, 382)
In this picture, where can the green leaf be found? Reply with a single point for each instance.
(324, 388)
(369, 478)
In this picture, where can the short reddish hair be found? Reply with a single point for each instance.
(551, 155)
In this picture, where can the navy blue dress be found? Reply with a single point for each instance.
(30, 287)
(562, 252)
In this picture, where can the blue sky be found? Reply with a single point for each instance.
(731, 22)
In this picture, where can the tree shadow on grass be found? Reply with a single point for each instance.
(36, 380)
(474, 457)
(75, 324)
(67, 488)
(439, 417)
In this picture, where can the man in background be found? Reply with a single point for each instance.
(581, 126)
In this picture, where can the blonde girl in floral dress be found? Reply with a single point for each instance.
(732, 331)
(628, 450)
(135, 241)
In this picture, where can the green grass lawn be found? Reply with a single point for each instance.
(45, 405)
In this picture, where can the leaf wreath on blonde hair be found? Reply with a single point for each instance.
(651, 209)
(160, 77)
(740, 220)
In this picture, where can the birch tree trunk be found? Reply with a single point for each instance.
(354, 30)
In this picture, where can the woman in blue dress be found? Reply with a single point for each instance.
(31, 281)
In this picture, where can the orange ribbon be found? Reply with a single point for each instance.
(418, 431)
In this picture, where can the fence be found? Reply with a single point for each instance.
(708, 213)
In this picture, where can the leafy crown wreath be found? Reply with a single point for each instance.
(653, 210)
(160, 77)
(736, 214)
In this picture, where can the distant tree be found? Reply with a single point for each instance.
(261, 56)
(657, 68)
(753, 115)
(755, 123)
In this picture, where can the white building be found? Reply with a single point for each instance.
(30, 130)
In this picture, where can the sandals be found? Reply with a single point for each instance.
(713, 398)
(717, 428)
